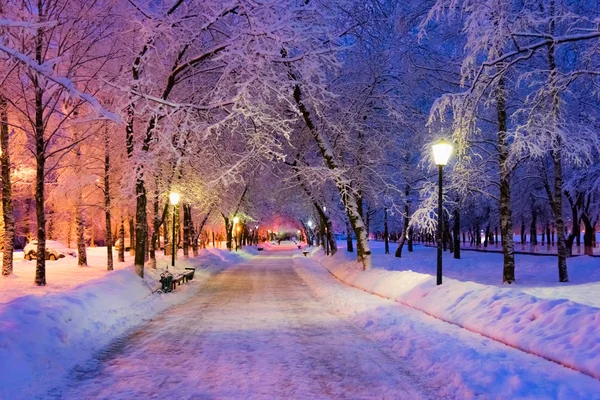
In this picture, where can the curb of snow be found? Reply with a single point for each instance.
(42, 338)
(558, 330)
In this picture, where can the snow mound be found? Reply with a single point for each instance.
(562, 331)
(43, 337)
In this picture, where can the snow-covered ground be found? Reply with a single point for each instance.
(46, 331)
(279, 326)
(536, 275)
(471, 297)
(457, 363)
(248, 327)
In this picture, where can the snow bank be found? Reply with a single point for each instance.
(558, 330)
(453, 362)
(43, 337)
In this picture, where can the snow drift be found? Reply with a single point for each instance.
(558, 330)
(43, 337)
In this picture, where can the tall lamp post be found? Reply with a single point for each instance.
(310, 233)
(174, 200)
(441, 153)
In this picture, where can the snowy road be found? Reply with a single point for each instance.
(254, 331)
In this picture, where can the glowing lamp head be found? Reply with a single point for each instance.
(236, 220)
(310, 224)
(174, 198)
(441, 152)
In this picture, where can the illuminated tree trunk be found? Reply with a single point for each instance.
(40, 158)
(80, 225)
(79, 220)
(132, 234)
(109, 238)
(7, 203)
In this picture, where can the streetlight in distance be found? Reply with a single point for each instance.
(174, 198)
(441, 153)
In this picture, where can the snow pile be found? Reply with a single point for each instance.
(43, 337)
(452, 362)
(559, 330)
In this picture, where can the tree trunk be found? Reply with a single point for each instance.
(78, 210)
(406, 221)
(7, 203)
(343, 184)
(156, 219)
(194, 239)
(187, 216)
(109, 239)
(385, 231)
(40, 157)
(523, 234)
(80, 226)
(506, 227)
(197, 234)
(456, 229)
(575, 231)
(121, 254)
(349, 244)
(588, 235)
(70, 228)
(556, 155)
(177, 236)
(132, 235)
(50, 224)
(533, 229)
(228, 233)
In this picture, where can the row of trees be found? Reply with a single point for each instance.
(317, 110)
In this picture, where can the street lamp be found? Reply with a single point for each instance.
(174, 200)
(441, 153)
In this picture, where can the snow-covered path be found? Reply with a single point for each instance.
(254, 331)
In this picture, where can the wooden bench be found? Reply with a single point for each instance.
(170, 282)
